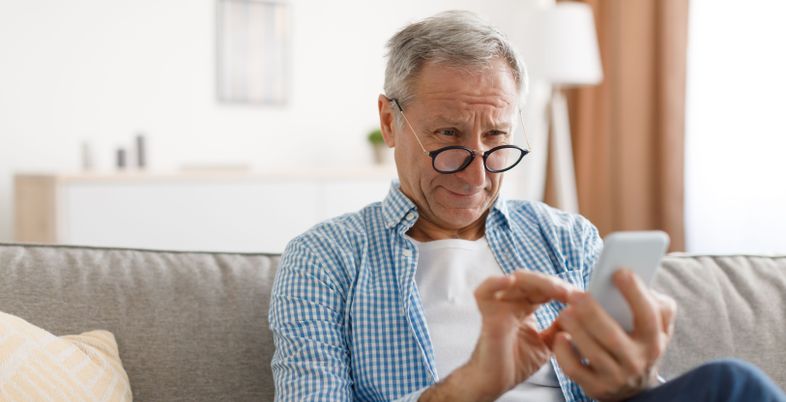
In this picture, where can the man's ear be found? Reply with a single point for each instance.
(387, 120)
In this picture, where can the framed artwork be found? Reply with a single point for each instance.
(253, 51)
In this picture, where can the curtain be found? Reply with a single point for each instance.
(628, 132)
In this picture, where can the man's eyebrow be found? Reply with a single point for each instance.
(503, 126)
(441, 118)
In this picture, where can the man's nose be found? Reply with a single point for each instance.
(475, 173)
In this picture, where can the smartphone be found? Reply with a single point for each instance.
(641, 253)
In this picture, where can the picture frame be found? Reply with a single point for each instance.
(253, 52)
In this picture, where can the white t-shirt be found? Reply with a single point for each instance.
(448, 273)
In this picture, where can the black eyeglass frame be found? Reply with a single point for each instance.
(472, 153)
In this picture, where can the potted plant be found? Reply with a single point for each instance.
(378, 146)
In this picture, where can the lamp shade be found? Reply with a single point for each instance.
(559, 44)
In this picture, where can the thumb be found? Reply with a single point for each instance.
(549, 334)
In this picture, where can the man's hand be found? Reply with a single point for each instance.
(509, 349)
(594, 350)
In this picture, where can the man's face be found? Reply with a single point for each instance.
(453, 106)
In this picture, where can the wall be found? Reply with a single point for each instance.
(102, 70)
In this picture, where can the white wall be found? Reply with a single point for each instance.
(101, 70)
(735, 128)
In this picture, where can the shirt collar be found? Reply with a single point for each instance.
(500, 208)
(397, 209)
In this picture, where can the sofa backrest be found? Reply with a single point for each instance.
(729, 306)
(193, 326)
(189, 326)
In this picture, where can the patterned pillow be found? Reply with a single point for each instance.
(38, 366)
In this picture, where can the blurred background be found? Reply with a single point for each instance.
(254, 119)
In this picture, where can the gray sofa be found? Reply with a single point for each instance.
(192, 326)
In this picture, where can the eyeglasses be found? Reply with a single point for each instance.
(455, 158)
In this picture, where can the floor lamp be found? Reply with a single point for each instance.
(560, 46)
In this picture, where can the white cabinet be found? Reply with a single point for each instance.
(215, 212)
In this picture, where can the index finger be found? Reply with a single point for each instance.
(489, 288)
(668, 309)
(646, 320)
(537, 288)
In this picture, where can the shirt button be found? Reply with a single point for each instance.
(407, 253)
(410, 216)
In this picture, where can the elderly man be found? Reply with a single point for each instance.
(446, 292)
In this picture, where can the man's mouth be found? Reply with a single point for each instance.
(459, 194)
(462, 195)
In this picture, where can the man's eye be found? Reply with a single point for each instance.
(497, 133)
(447, 132)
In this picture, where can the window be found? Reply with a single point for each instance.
(736, 127)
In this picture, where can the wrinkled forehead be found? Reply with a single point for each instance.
(462, 92)
(449, 113)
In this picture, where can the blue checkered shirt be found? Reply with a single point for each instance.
(346, 314)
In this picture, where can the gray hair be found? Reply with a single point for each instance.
(454, 38)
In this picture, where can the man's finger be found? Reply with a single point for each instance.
(646, 320)
(548, 335)
(489, 288)
(570, 361)
(603, 328)
(668, 311)
(588, 345)
(538, 288)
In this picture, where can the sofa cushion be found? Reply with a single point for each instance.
(190, 326)
(729, 306)
(38, 366)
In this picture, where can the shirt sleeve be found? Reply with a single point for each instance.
(592, 246)
(413, 397)
(311, 360)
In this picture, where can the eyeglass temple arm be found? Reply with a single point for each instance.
(526, 137)
(400, 109)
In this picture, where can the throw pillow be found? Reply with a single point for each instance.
(38, 366)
